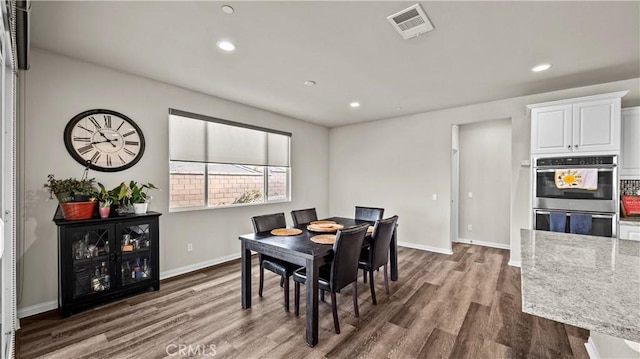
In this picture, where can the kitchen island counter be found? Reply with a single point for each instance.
(586, 281)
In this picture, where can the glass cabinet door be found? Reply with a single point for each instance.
(137, 260)
(91, 270)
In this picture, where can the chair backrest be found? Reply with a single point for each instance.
(369, 213)
(302, 216)
(347, 247)
(268, 222)
(381, 240)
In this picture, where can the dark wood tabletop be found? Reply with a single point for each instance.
(299, 249)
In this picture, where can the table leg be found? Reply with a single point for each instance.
(246, 276)
(312, 302)
(394, 255)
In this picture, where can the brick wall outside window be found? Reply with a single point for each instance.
(187, 189)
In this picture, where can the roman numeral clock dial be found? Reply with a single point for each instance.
(109, 140)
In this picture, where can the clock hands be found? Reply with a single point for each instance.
(94, 142)
(107, 140)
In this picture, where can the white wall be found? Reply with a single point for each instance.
(399, 163)
(485, 168)
(57, 88)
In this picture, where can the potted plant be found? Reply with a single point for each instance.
(104, 208)
(136, 195)
(75, 196)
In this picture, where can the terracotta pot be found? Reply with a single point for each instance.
(77, 210)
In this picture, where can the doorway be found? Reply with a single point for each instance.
(481, 183)
(455, 185)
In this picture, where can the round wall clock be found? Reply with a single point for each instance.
(109, 140)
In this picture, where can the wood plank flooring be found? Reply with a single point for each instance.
(467, 305)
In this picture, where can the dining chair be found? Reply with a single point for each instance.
(342, 271)
(303, 216)
(369, 213)
(376, 255)
(282, 268)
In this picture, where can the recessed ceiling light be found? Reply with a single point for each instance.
(226, 45)
(310, 83)
(354, 104)
(399, 108)
(541, 67)
(227, 9)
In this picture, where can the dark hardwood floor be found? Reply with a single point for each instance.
(467, 305)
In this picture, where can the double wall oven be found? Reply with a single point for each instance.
(600, 203)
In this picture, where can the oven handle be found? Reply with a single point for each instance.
(599, 167)
(610, 216)
(553, 170)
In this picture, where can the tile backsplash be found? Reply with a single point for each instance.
(631, 187)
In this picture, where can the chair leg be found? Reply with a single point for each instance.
(364, 276)
(354, 294)
(373, 291)
(322, 295)
(286, 293)
(386, 279)
(261, 281)
(334, 309)
(296, 298)
(281, 282)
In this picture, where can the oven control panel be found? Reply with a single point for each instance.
(576, 161)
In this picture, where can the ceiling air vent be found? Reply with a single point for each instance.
(411, 22)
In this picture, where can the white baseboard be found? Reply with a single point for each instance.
(515, 263)
(53, 304)
(485, 244)
(37, 308)
(196, 266)
(591, 349)
(425, 248)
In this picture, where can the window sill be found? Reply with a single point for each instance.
(204, 208)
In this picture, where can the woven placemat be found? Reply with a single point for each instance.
(370, 229)
(323, 222)
(325, 228)
(324, 239)
(286, 231)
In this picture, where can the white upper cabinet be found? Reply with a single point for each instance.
(587, 125)
(551, 130)
(630, 154)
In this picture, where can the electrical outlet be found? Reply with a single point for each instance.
(189, 247)
(469, 227)
(434, 197)
(470, 195)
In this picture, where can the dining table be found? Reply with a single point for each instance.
(300, 250)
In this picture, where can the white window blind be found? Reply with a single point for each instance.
(198, 138)
(187, 140)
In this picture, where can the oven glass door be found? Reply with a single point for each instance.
(601, 224)
(546, 186)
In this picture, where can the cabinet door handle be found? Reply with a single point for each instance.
(569, 147)
(576, 146)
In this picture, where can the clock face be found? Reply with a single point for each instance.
(109, 140)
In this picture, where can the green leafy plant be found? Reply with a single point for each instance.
(105, 203)
(104, 195)
(66, 189)
(133, 193)
(249, 196)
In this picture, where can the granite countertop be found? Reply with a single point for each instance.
(586, 281)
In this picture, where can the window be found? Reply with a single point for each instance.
(216, 163)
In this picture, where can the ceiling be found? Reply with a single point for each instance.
(479, 51)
